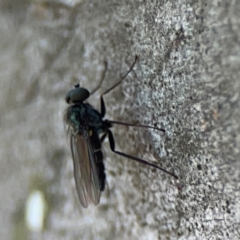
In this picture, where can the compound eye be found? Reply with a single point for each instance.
(77, 95)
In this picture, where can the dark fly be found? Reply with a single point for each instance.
(88, 129)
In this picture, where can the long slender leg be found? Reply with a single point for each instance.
(112, 146)
(103, 137)
(103, 109)
(135, 125)
(102, 78)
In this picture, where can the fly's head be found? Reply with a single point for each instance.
(77, 95)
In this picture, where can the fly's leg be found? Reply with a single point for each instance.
(103, 137)
(112, 146)
(134, 125)
(103, 109)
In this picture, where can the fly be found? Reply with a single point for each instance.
(88, 129)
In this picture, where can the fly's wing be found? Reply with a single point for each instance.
(93, 188)
(85, 170)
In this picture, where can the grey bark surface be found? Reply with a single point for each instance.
(186, 81)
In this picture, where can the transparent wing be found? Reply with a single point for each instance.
(85, 170)
(94, 188)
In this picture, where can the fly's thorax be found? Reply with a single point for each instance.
(83, 116)
(72, 118)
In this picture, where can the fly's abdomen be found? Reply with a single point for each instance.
(101, 169)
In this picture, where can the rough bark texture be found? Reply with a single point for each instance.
(186, 81)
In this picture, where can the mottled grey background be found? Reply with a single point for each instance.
(187, 80)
